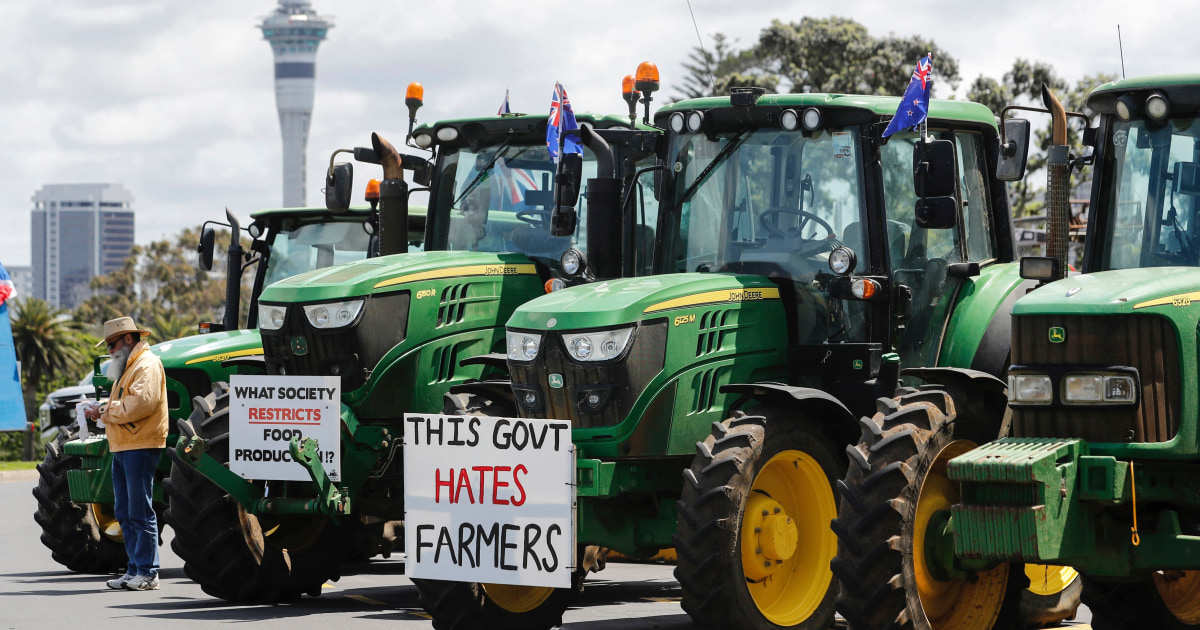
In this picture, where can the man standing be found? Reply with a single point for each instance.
(135, 421)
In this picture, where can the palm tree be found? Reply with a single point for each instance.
(47, 344)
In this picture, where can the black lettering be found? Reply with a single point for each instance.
(331, 391)
(496, 435)
(521, 428)
(558, 429)
(537, 533)
(421, 543)
(535, 440)
(490, 538)
(466, 533)
(444, 540)
(473, 427)
(416, 428)
(551, 568)
(456, 421)
(430, 431)
(505, 546)
(243, 392)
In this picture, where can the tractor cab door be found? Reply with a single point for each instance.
(920, 258)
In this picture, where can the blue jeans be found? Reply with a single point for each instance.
(133, 487)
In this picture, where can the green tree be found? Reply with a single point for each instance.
(728, 67)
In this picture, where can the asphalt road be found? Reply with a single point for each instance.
(36, 592)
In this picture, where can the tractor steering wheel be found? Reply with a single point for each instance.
(539, 219)
(775, 232)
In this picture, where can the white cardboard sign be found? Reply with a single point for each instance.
(266, 412)
(489, 500)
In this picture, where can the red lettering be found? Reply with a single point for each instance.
(253, 413)
(497, 484)
(482, 480)
(316, 415)
(464, 480)
(517, 481)
(438, 483)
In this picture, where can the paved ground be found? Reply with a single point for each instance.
(36, 592)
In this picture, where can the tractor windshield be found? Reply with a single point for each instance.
(774, 203)
(301, 247)
(499, 199)
(1153, 202)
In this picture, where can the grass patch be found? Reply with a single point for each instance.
(18, 465)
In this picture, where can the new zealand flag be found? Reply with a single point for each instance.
(914, 107)
(561, 119)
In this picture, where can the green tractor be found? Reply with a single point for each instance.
(394, 330)
(797, 258)
(74, 490)
(1100, 471)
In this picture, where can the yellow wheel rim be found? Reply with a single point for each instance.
(1180, 593)
(109, 527)
(517, 599)
(1046, 579)
(952, 604)
(785, 540)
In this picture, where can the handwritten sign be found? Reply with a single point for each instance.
(266, 412)
(489, 500)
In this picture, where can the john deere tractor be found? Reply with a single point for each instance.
(394, 330)
(799, 259)
(74, 491)
(1100, 472)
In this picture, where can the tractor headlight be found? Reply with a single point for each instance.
(598, 345)
(789, 119)
(271, 317)
(333, 314)
(1098, 388)
(1030, 389)
(522, 346)
(423, 140)
(694, 120)
(676, 122)
(842, 261)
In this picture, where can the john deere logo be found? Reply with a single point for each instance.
(556, 381)
(857, 364)
(299, 346)
(1058, 334)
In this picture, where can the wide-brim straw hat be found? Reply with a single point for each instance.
(120, 326)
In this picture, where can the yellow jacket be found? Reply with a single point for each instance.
(136, 415)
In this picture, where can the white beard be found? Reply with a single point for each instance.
(116, 365)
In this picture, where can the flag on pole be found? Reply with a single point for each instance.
(561, 119)
(914, 107)
(7, 288)
(504, 108)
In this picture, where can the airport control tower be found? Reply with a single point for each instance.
(295, 30)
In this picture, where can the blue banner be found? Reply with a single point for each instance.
(12, 404)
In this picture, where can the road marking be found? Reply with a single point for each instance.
(366, 600)
(663, 600)
(327, 585)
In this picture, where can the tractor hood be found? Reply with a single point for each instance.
(1115, 292)
(617, 302)
(211, 348)
(389, 273)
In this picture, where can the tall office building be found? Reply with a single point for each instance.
(294, 30)
(78, 231)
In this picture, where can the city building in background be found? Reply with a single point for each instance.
(78, 231)
(294, 31)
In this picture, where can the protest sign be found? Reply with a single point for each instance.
(266, 412)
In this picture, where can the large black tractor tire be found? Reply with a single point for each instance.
(1169, 600)
(234, 555)
(896, 475)
(74, 532)
(766, 478)
(476, 606)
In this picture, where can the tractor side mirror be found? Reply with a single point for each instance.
(567, 183)
(208, 239)
(1187, 178)
(339, 180)
(1014, 150)
(933, 168)
(937, 213)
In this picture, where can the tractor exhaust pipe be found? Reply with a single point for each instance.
(393, 199)
(233, 275)
(1058, 184)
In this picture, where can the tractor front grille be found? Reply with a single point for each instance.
(351, 352)
(614, 385)
(1145, 342)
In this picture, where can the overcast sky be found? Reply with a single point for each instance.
(175, 99)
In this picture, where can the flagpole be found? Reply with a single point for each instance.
(929, 97)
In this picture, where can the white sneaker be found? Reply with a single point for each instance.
(117, 584)
(142, 583)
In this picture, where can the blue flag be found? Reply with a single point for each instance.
(561, 119)
(504, 108)
(914, 107)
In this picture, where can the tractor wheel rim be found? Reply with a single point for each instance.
(1180, 593)
(1047, 579)
(517, 599)
(951, 604)
(109, 527)
(788, 581)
